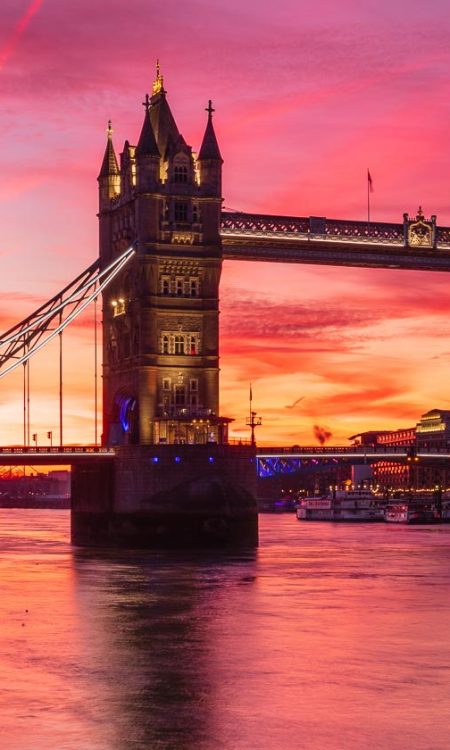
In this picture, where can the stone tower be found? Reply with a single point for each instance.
(160, 314)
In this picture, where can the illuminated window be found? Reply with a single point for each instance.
(179, 286)
(179, 344)
(181, 211)
(193, 345)
(118, 306)
(166, 384)
(165, 345)
(165, 285)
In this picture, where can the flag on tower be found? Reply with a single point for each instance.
(369, 181)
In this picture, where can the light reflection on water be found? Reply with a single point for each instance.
(328, 637)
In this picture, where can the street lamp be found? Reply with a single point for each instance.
(50, 437)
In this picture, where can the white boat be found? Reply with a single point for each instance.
(412, 511)
(346, 505)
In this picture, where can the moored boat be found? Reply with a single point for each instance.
(412, 511)
(347, 505)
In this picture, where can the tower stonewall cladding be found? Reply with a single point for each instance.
(175, 479)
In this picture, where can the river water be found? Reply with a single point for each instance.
(328, 637)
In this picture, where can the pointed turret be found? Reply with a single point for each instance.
(161, 117)
(109, 175)
(209, 148)
(147, 145)
(210, 160)
(147, 154)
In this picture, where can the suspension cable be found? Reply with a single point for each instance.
(25, 339)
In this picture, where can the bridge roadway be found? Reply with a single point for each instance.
(321, 241)
(71, 454)
(359, 452)
(55, 456)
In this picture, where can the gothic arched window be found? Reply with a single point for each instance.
(165, 345)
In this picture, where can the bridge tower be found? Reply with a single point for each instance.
(160, 315)
(175, 481)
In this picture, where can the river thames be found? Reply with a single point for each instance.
(328, 637)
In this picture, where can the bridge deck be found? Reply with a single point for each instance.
(323, 241)
(55, 456)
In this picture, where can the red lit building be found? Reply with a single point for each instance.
(430, 435)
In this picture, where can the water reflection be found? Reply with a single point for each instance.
(150, 619)
(328, 637)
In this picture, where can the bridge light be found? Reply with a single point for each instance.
(177, 459)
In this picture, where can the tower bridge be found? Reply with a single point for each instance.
(163, 236)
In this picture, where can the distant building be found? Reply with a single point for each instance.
(55, 484)
(432, 433)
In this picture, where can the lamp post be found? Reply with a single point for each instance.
(253, 421)
(50, 437)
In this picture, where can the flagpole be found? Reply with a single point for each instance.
(368, 196)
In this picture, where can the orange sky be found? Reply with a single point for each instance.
(306, 99)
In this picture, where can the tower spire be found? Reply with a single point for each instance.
(158, 83)
(209, 148)
(109, 164)
(147, 145)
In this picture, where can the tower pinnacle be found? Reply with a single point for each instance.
(109, 166)
(158, 83)
(209, 148)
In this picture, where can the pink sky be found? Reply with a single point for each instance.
(307, 96)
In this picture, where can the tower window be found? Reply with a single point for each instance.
(193, 385)
(181, 211)
(165, 345)
(193, 345)
(165, 285)
(179, 344)
(180, 174)
(166, 384)
(193, 287)
(195, 213)
(179, 286)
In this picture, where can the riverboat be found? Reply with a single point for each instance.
(348, 505)
(412, 511)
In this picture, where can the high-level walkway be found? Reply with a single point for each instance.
(322, 241)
